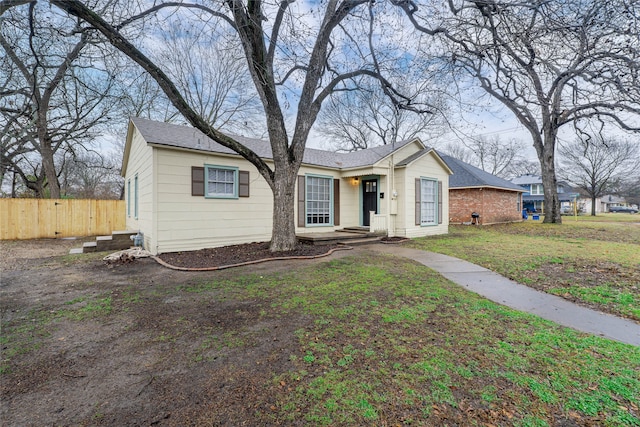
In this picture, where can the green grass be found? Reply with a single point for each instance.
(426, 346)
(604, 217)
(376, 340)
(597, 263)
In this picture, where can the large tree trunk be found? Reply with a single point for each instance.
(549, 181)
(283, 235)
(49, 168)
(593, 205)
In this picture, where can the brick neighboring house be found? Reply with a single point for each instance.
(473, 190)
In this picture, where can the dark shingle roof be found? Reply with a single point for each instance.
(180, 136)
(527, 179)
(465, 176)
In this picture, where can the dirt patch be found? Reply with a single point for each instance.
(17, 254)
(135, 344)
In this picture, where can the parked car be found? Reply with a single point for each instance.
(568, 210)
(623, 209)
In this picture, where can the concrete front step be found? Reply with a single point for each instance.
(362, 231)
(89, 247)
(118, 240)
(106, 243)
(123, 236)
(334, 237)
(358, 230)
(359, 242)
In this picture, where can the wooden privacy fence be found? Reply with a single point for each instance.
(47, 218)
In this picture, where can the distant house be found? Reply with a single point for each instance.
(533, 197)
(609, 201)
(186, 192)
(471, 190)
(584, 203)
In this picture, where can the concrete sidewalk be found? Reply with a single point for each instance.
(507, 292)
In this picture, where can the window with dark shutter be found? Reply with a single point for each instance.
(197, 181)
(243, 183)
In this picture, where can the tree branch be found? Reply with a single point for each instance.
(76, 8)
(161, 6)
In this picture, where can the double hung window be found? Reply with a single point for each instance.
(537, 189)
(221, 182)
(318, 200)
(428, 201)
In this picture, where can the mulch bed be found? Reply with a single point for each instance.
(236, 254)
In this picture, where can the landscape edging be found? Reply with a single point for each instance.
(258, 261)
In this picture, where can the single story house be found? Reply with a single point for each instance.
(186, 192)
(471, 189)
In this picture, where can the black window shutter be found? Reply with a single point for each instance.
(243, 184)
(197, 181)
(418, 216)
(439, 202)
(336, 202)
(301, 199)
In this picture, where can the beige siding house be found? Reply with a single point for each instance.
(186, 192)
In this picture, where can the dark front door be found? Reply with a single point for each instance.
(369, 199)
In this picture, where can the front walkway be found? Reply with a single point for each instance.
(512, 294)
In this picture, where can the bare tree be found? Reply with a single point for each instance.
(15, 138)
(90, 175)
(630, 188)
(140, 96)
(494, 155)
(213, 76)
(552, 63)
(355, 120)
(56, 88)
(282, 49)
(598, 166)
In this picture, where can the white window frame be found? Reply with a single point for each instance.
(233, 182)
(135, 196)
(129, 197)
(428, 202)
(537, 189)
(316, 206)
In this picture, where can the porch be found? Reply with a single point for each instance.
(351, 236)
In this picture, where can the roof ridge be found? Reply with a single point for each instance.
(187, 137)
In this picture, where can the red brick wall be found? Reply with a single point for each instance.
(494, 206)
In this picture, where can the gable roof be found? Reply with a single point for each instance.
(186, 137)
(415, 156)
(467, 176)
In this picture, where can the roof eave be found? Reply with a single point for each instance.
(411, 141)
(464, 187)
(127, 148)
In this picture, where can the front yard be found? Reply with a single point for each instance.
(592, 261)
(355, 339)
